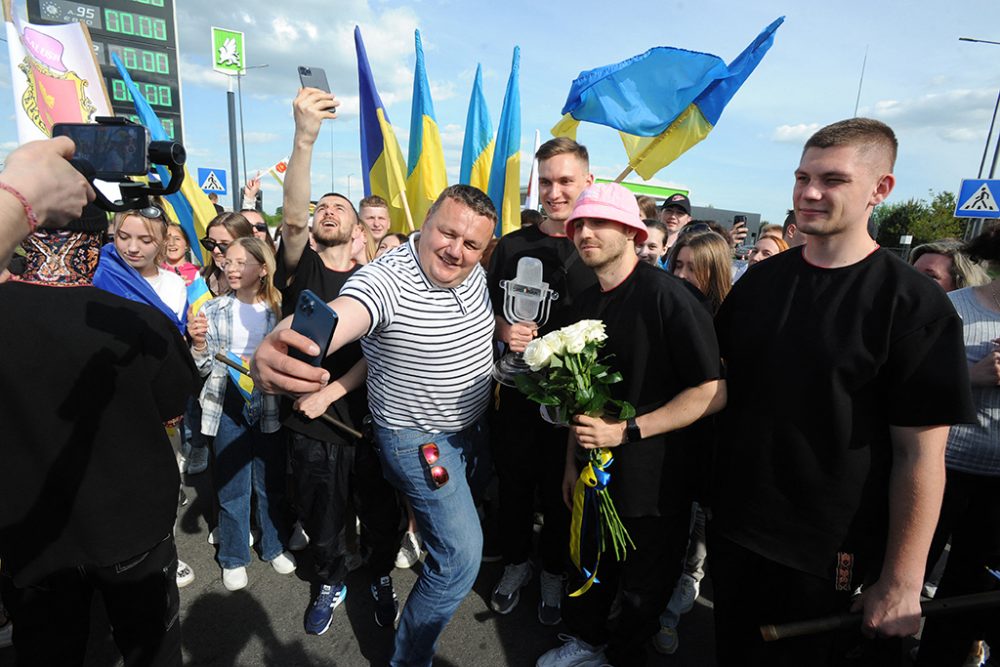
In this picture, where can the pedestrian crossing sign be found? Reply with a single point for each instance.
(212, 180)
(978, 198)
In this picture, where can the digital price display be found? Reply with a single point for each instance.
(143, 34)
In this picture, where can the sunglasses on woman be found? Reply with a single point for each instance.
(260, 226)
(431, 454)
(211, 244)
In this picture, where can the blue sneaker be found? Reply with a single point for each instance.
(320, 613)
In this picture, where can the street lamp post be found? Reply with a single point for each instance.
(973, 229)
(243, 143)
(349, 187)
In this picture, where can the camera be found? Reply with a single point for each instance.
(114, 149)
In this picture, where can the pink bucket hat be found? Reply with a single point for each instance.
(608, 201)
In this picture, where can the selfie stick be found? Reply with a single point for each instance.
(929, 608)
(325, 417)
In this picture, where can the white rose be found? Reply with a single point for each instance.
(594, 331)
(575, 337)
(555, 342)
(538, 354)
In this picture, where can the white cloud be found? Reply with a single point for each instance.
(957, 115)
(794, 134)
(261, 137)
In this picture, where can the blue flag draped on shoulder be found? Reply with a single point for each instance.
(116, 276)
(477, 150)
(382, 166)
(662, 102)
(425, 172)
(505, 175)
(190, 206)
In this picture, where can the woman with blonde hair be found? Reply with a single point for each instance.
(767, 245)
(704, 260)
(249, 456)
(219, 234)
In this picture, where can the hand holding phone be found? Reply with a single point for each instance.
(315, 320)
(313, 77)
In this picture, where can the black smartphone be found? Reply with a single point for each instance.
(313, 77)
(315, 320)
(739, 220)
(115, 151)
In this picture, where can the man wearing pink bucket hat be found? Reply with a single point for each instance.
(646, 312)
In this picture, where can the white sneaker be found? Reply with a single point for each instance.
(550, 604)
(197, 461)
(298, 540)
(234, 579)
(185, 575)
(507, 592)
(685, 593)
(213, 538)
(573, 653)
(409, 551)
(283, 563)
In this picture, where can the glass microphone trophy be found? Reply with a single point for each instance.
(526, 299)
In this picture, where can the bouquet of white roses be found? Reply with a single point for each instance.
(567, 375)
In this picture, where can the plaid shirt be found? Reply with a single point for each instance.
(263, 407)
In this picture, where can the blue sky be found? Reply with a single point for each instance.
(936, 92)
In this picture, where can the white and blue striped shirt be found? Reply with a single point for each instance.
(429, 348)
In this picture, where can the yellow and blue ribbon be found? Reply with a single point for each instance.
(587, 532)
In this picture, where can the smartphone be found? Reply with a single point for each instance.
(315, 320)
(313, 77)
(115, 151)
(739, 220)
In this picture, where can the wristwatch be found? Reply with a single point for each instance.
(632, 433)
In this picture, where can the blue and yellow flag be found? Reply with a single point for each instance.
(477, 150)
(505, 175)
(190, 206)
(382, 164)
(425, 174)
(662, 102)
(242, 380)
(198, 295)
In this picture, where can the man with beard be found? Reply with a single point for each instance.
(645, 311)
(519, 433)
(330, 467)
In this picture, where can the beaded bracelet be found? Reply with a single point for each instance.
(32, 218)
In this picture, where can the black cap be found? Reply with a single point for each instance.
(678, 200)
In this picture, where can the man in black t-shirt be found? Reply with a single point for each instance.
(841, 486)
(329, 466)
(660, 339)
(518, 431)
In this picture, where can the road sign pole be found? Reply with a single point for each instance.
(233, 158)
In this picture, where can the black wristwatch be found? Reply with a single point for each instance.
(632, 433)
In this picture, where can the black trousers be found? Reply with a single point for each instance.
(326, 478)
(529, 455)
(970, 515)
(646, 577)
(751, 591)
(52, 618)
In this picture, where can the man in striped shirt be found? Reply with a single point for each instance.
(425, 322)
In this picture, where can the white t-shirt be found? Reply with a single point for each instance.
(249, 327)
(171, 289)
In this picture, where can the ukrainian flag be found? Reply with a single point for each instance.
(505, 175)
(382, 165)
(198, 294)
(425, 174)
(190, 206)
(477, 150)
(663, 102)
(243, 381)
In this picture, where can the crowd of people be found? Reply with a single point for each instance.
(815, 422)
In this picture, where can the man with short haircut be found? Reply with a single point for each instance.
(675, 212)
(374, 212)
(841, 485)
(423, 315)
(330, 468)
(654, 248)
(520, 433)
(646, 312)
(790, 231)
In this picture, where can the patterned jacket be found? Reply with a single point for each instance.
(263, 407)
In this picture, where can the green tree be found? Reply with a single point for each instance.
(924, 221)
(893, 220)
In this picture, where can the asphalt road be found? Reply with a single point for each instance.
(262, 624)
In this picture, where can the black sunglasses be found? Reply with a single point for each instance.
(697, 227)
(151, 212)
(210, 245)
(431, 453)
(260, 227)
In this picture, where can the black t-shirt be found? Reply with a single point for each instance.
(562, 269)
(87, 472)
(312, 274)
(819, 363)
(663, 343)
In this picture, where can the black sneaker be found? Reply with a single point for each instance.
(386, 603)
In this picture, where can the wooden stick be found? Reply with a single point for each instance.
(325, 417)
(621, 176)
(814, 626)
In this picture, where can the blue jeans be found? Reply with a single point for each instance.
(448, 523)
(248, 461)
